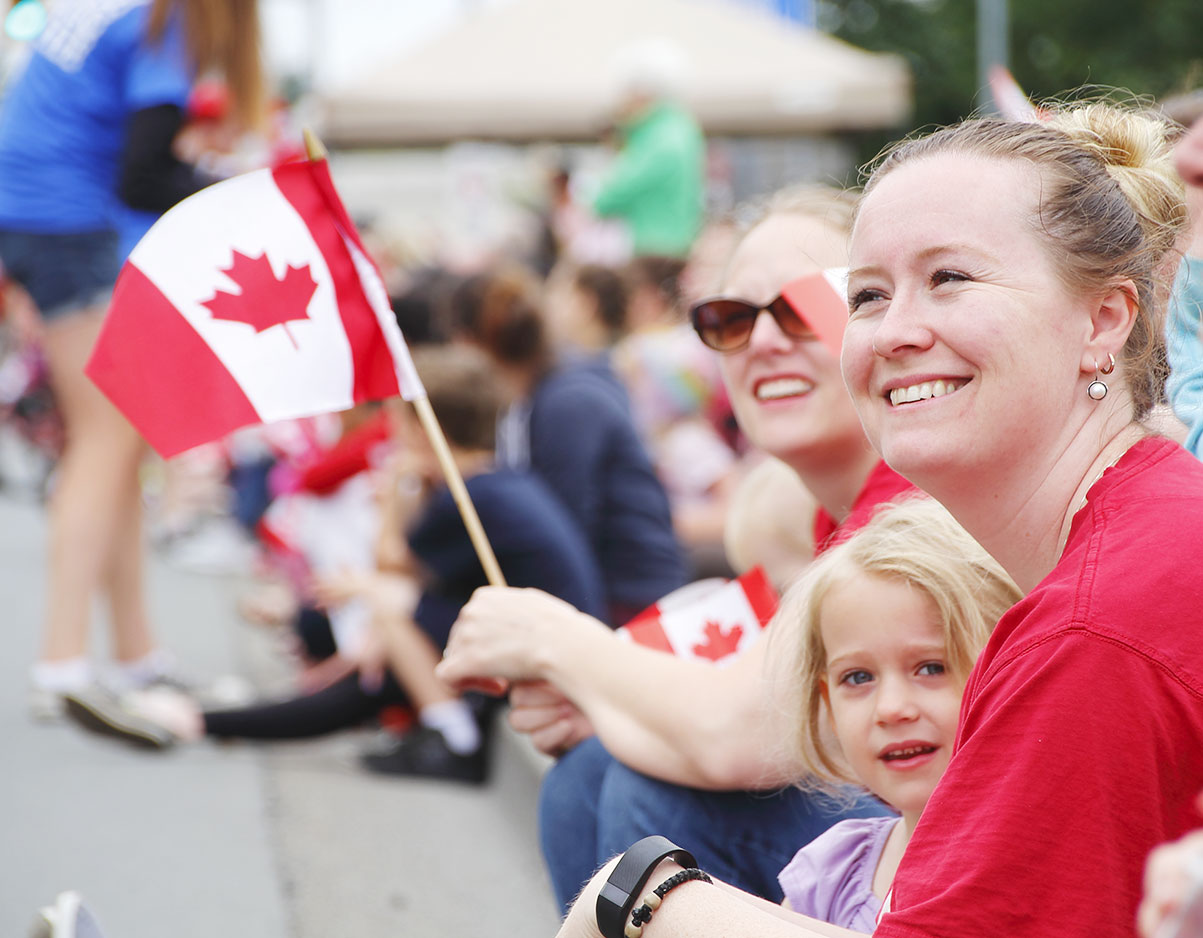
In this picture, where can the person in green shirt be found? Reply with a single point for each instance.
(656, 184)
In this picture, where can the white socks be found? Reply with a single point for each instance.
(72, 674)
(63, 676)
(455, 720)
(142, 672)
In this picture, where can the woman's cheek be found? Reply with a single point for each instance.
(855, 360)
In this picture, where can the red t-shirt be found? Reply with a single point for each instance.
(883, 485)
(1080, 743)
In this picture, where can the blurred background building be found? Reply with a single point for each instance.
(445, 119)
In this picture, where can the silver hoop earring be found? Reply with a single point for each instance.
(1097, 389)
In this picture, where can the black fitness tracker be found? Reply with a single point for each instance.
(621, 890)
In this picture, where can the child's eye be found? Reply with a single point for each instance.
(931, 668)
(856, 677)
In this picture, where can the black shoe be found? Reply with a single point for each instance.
(424, 752)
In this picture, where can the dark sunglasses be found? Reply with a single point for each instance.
(726, 325)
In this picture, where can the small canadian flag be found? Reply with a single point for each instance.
(251, 301)
(707, 620)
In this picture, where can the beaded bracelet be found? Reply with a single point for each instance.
(642, 914)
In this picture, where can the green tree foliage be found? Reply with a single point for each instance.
(1150, 47)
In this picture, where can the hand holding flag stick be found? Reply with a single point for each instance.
(190, 349)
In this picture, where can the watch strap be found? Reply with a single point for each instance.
(621, 889)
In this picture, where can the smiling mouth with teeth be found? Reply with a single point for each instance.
(909, 753)
(925, 391)
(778, 388)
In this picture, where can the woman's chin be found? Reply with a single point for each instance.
(925, 463)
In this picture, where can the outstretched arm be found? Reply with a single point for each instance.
(699, 910)
(683, 721)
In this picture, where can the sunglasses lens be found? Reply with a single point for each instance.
(724, 325)
(789, 320)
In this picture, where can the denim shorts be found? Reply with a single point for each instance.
(63, 273)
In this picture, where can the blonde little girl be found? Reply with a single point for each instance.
(884, 630)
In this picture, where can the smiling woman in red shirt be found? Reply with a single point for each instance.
(1007, 302)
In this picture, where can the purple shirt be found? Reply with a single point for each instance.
(831, 878)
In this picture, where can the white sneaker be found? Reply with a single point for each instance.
(45, 706)
(50, 680)
(101, 711)
(227, 690)
(175, 712)
(67, 918)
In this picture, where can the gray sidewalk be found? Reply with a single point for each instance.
(286, 840)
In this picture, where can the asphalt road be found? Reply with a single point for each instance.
(284, 840)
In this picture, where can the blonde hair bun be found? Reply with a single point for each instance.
(1136, 148)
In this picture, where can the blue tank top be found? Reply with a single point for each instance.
(63, 119)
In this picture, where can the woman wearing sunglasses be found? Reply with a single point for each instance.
(684, 723)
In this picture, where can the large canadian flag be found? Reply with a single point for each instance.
(711, 620)
(251, 301)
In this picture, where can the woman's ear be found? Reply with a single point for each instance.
(1110, 323)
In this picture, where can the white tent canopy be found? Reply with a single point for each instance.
(545, 69)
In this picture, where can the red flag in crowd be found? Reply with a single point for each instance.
(1009, 98)
(821, 300)
(251, 301)
(712, 623)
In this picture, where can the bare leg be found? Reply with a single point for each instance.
(95, 488)
(124, 583)
(412, 658)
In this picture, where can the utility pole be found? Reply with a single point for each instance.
(992, 44)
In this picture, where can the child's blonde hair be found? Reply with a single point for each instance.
(916, 542)
(770, 523)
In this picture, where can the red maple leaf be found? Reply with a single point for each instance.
(718, 643)
(265, 300)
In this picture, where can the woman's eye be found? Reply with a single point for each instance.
(947, 276)
(856, 677)
(932, 668)
(861, 297)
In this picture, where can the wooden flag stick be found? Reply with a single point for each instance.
(459, 491)
(316, 151)
(314, 148)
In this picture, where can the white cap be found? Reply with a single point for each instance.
(654, 66)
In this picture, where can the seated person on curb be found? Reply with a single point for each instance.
(536, 544)
(684, 748)
(570, 423)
